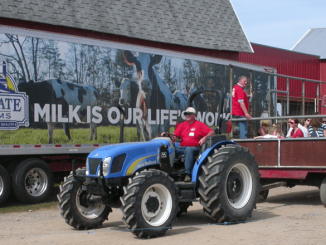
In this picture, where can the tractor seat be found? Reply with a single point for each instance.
(210, 142)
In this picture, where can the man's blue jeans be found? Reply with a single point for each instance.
(189, 153)
(242, 127)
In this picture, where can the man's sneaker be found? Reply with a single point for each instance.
(187, 178)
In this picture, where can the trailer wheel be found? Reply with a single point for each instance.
(323, 192)
(74, 208)
(183, 208)
(32, 181)
(149, 203)
(229, 184)
(5, 185)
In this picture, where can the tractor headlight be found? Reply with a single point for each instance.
(87, 167)
(106, 166)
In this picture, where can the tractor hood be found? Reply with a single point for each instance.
(126, 158)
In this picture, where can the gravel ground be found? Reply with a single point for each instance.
(288, 216)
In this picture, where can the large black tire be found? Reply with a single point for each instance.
(5, 185)
(229, 184)
(150, 203)
(323, 192)
(32, 181)
(74, 209)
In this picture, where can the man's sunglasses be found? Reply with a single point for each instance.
(188, 114)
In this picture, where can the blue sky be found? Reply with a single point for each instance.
(279, 23)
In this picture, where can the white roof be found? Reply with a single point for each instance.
(313, 42)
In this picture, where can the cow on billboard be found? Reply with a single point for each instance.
(199, 102)
(62, 101)
(133, 97)
(157, 94)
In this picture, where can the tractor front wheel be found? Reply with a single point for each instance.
(74, 207)
(150, 203)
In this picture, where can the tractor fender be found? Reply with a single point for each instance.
(203, 158)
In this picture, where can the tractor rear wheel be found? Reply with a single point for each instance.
(74, 207)
(150, 203)
(229, 184)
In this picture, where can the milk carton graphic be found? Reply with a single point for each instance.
(13, 105)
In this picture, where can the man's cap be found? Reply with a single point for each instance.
(190, 110)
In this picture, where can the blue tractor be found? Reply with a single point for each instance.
(145, 180)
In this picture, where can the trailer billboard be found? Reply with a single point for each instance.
(73, 85)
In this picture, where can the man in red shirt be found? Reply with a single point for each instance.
(194, 134)
(240, 105)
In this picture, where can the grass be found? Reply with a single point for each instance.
(15, 206)
(109, 134)
(27, 208)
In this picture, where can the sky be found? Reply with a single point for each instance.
(279, 23)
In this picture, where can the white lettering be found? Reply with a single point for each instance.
(157, 116)
(183, 115)
(129, 116)
(200, 116)
(164, 116)
(60, 116)
(73, 114)
(137, 115)
(54, 113)
(209, 119)
(149, 117)
(111, 119)
(45, 112)
(97, 115)
(173, 117)
(88, 114)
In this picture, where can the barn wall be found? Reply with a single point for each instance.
(323, 86)
(289, 63)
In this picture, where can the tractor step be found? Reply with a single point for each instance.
(187, 191)
(185, 185)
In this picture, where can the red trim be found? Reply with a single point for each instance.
(230, 55)
(288, 173)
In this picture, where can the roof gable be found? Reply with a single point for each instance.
(209, 24)
(313, 42)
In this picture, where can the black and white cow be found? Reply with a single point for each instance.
(64, 93)
(132, 96)
(157, 94)
(199, 102)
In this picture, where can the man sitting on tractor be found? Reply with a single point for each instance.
(193, 134)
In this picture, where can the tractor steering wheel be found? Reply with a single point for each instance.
(171, 136)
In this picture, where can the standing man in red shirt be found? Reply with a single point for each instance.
(194, 134)
(240, 105)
